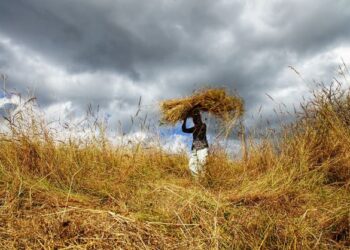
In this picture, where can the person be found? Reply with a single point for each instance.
(199, 145)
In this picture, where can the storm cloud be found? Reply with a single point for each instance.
(111, 52)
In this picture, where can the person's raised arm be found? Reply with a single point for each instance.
(186, 130)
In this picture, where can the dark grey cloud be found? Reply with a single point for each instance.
(83, 35)
(110, 52)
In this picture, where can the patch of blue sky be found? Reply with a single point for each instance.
(175, 130)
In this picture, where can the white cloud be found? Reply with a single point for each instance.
(176, 143)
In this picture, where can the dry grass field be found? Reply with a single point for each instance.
(291, 191)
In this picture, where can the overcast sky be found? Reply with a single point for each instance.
(72, 53)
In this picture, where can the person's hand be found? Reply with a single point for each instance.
(191, 112)
(185, 117)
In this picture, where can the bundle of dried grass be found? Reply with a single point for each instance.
(217, 102)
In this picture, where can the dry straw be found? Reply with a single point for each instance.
(224, 106)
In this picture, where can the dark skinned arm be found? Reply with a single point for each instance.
(186, 130)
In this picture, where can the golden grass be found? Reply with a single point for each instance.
(291, 192)
(217, 102)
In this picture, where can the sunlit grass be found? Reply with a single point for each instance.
(292, 191)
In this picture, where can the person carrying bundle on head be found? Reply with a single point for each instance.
(226, 107)
(199, 145)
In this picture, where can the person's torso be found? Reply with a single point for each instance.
(200, 137)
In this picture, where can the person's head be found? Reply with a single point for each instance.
(196, 116)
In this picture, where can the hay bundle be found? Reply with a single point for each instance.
(215, 101)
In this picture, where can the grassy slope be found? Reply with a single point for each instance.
(292, 192)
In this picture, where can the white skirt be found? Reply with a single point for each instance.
(197, 160)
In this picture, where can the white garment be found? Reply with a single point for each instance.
(198, 160)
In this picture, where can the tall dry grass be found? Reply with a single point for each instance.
(290, 192)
